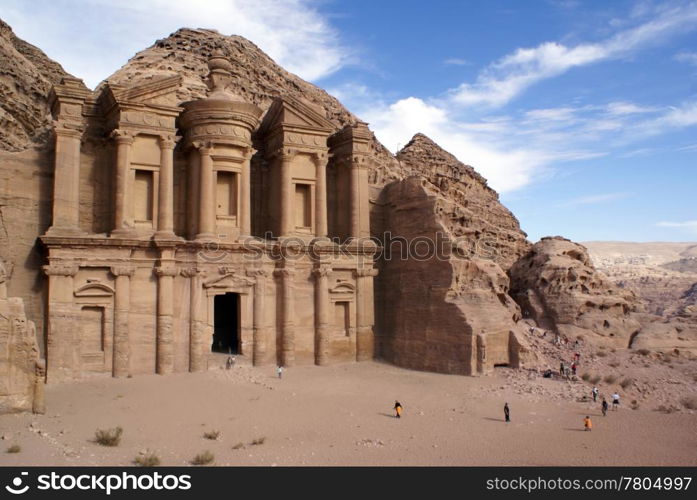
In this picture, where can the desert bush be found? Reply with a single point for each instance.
(626, 382)
(258, 441)
(634, 405)
(586, 376)
(238, 446)
(595, 379)
(601, 354)
(108, 437)
(610, 379)
(614, 364)
(213, 435)
(147, 459)
(15, 448)
(204, 458)
(644, 352)
(689, 402)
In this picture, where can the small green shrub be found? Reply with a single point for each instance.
(212, 435)
(205, 458)
(258, 441)
(147, 459)
(15, 448)
(610, 379)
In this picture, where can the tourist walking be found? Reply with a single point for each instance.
(573, 369)
(397, 409)
(615, 401)
(587, 424)
(279, 371)
(595, 394)
(507, 412)
(605, 405)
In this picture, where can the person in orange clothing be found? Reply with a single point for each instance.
(397, 409)
(587, 423)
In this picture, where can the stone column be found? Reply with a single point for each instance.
(165, 209)
(246, 197)
(260, 335)
(63, 329)
(321, 194)
(287, 317)
(66, 182)
(122, 303)
(365, 337)
(322, 314)
(287, 214)
(165, 319)
(197, 327)
(123, 218)
(206, 199)
(360, 203)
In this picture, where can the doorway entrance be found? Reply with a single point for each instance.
(226, 323)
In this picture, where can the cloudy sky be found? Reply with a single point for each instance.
(583, 115)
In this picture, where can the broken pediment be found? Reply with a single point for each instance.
(160, 92)
(290, 113)
(229, 281)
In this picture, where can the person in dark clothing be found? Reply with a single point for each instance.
(605, 405)
(397, 409)
(507, 412)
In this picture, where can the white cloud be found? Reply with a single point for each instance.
(93, 38)
(456, 61)
(689, 226)
(687, 57)
(681, 116)
(628, 108)
(506, 78)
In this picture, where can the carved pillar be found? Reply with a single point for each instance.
(165, 211)
(122, 303)
(322, 315)
(481, 354)
(206, 199)
(246, 195)
(63, 329)
(321, 194)
(287, 213)
(165, 320)
(66, 182)
(123, 218)
(197, 326)
(287, 317)
(360, 203)
(260, 335)
(365, 337)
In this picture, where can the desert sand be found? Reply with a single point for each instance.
(342, 415)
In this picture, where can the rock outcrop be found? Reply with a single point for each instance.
(556, 284)
(21, 373)
(26, 76)
(440, 309)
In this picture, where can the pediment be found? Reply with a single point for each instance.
(94, 290)
(230, 280)
(289, 112)
(159, 92)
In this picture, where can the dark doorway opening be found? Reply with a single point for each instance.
(226, 323)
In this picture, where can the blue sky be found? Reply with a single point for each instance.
(583, 115)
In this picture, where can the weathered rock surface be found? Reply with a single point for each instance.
(557, 286)
(21, 383)
(26, 76)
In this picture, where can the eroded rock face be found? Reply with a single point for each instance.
(445, 312)
(20, 372)
(556, 284)
(26, 76)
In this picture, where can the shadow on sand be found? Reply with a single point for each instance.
(494, 419)
(390, 415)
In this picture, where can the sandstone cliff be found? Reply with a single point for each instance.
(26, 76)
(556, 285)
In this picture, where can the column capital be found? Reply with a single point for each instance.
(72, 131)
(123, 270)
(61, 269)
(191, 272)
(204, 147)
(122, 136)
(365, 272)
(320, 158)
(161, 271)
(322, 272)
(284, 273)
(257, 273)
(168, 141)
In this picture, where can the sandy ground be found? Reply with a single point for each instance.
(340, 415)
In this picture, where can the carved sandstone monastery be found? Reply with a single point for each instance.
(205, 200)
